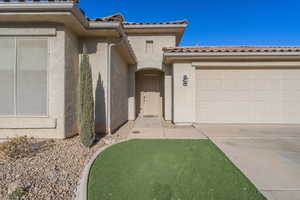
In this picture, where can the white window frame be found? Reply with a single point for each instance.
(16, 38)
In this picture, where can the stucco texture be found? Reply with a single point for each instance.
(71, 84)
(151, 58)
(184, 95)
(119, 90)
(97, 51)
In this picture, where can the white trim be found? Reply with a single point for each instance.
(15, 77)
(246, 64)
(96, 24)
(35, 5)
(27, 31)
(27, 123)
(186, 55)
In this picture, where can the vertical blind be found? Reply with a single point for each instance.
(23, 76)
(7, 66)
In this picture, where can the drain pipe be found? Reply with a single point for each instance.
(108, 87)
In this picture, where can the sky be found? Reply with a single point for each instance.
(213, 22)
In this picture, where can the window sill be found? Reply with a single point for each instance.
(27, 123)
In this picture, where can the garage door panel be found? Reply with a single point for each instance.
(290, 74)
(291, 96)
(266, 74)
(265, 84)
(205, 95)
(265, 95)
(234, 96)
(209, 84)
(292, 111)
(211, 74)
(209, 109)
(217, 111)
(266, 112)
(291, 84)
(235, 84)
(235, 111)
(235, 75)
(248, 96)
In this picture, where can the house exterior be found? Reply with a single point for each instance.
(138, 69)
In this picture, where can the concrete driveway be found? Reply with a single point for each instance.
(268, 155)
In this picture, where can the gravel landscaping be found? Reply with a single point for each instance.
(52, 173)
(50, 169)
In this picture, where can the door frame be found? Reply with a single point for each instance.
(139, 78)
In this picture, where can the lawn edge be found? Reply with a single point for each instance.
(82, 188)
(82, 185)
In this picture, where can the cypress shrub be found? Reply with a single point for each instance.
(87, 116)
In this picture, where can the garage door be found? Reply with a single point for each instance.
(248, 96)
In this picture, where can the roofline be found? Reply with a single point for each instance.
(118, 26)
(173, 54)
(69, 6)
(169, 58)
(180, 29)
(45, 7)
(36, 5)
(153, 26)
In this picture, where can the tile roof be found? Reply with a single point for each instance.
(157, 23)
(231, 49)
(115, 17)
(120, 18)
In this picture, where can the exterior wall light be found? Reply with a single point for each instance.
(185, 80)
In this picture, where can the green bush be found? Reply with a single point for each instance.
(17, 194)
(15, 148)
(87, 116)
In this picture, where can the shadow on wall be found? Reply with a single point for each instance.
(100, 111)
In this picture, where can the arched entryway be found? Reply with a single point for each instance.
(149, 93)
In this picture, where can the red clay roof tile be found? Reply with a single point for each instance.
(120, 18)
(225, 49)
(157, 23)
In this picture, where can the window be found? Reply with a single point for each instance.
(23, 76)
(149, 46)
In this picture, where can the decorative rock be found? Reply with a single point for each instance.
(52, 173)
(13, 187)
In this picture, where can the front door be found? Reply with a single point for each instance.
(151, 97)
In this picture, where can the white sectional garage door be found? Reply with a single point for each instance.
(248, 95)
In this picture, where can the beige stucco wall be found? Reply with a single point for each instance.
(184, 96)
(119, 90)
(131, 93)
(71, 83)
(152, 59)
(97, 50)
(52, 126)
(168, 93)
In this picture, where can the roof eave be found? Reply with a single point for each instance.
(153, 26)
(29, 6)
(74, 14)
(171, 57)
(177, 29)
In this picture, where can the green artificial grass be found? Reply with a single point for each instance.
(167, 170)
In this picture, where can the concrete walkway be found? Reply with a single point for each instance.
(268, 155)
(156, 128)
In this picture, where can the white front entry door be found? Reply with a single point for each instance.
(150, 98)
